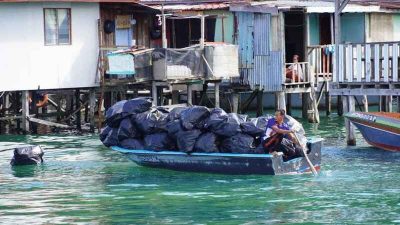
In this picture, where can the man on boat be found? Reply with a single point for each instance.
(279, 137)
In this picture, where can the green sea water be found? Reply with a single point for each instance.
(82, 182)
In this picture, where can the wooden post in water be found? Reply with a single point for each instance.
(34, 110)
(189, 94)
(389, 103)
(25, 110)
(6, 106)
(216, 93)
(339, 105)
(365, 102)
(289, 104)
(154, 93)
(349, 106)
(260, 105)
(304, 105)
(77, 107)
(235, 101)
(280, 100)
(175, 96)
(327, 99)
(92, 105)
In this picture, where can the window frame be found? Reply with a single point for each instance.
(69, 27)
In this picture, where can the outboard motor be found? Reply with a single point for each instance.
(27, 155)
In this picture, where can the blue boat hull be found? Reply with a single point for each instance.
(378, 137)
(225, 163)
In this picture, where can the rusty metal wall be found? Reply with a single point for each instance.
(268, 72)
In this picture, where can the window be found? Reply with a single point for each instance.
(57, 26)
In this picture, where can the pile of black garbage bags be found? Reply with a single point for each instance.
(135, 124)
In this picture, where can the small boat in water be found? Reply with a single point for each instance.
(379, 129)
(227, 163)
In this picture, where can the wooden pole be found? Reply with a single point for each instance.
(304, 105)
(78, 106)
(235, 102)
(365, 102)
(202, 38)
(281, 104)
(6, 107)
(260, 105)
(164, 29)
(328, 100)
(189, 94)
(349, 106)
(339, 105)
(154, 93)
(92, 105)
(289, 104)
(216, 93)
(389, 103)
(175, 97)
(25, 110)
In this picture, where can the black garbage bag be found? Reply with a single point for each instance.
(173, 127)
(158, 142)
(207, 142)
(251, 128)
(150, 122)
(186, 139)
(217, 116)
(115, 114)
(229, 127)
(104, 132)
(112, 138)
(137, 105)
(239, 143)
(194, 116)
(175, 113)
(28, 155)
(132, 143)
(127, 130)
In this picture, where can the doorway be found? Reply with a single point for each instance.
(294, 35)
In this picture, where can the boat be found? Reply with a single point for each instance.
(227, 163)
(379, 129)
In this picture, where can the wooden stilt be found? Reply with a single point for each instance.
(349, 106)
(235, 101)
(382, 104)
(25, 110)
(154, 93)
(175, 97)
(365, 102)
(389, 103)
(216, 95)
(328, 106)
(304, 105)
(6, 106)
(260, 105)
(189, 94)
(34, 110)
(339, 105)
(315, 112)
(78, 106)
(289, 103)
(280, 103)
(92, 105)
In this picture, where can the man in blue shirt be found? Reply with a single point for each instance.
(279, 137)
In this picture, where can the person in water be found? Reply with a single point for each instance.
(279, 137)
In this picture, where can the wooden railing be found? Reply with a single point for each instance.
(297, 73)
(368, 63)
(320, 58)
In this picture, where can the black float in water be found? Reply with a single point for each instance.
(27, 155)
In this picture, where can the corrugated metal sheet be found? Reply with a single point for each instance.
(245, 40)
(194, 7)
(262, 24)
(268, 72)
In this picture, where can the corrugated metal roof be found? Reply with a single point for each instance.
(320, 6)
(97, 1)
(192, 7)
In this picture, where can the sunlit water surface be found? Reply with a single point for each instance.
(83, 182)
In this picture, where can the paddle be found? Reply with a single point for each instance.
(314, 171)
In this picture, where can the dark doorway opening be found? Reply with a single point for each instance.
(294, 35)
(325, 29)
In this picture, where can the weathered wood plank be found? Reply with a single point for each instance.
(341, 62)
(376, 62)
(349, 69)
(48, 123)
(385, 63)
(359, 63)
(368, 68)
(395, 63)
(25, 110)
